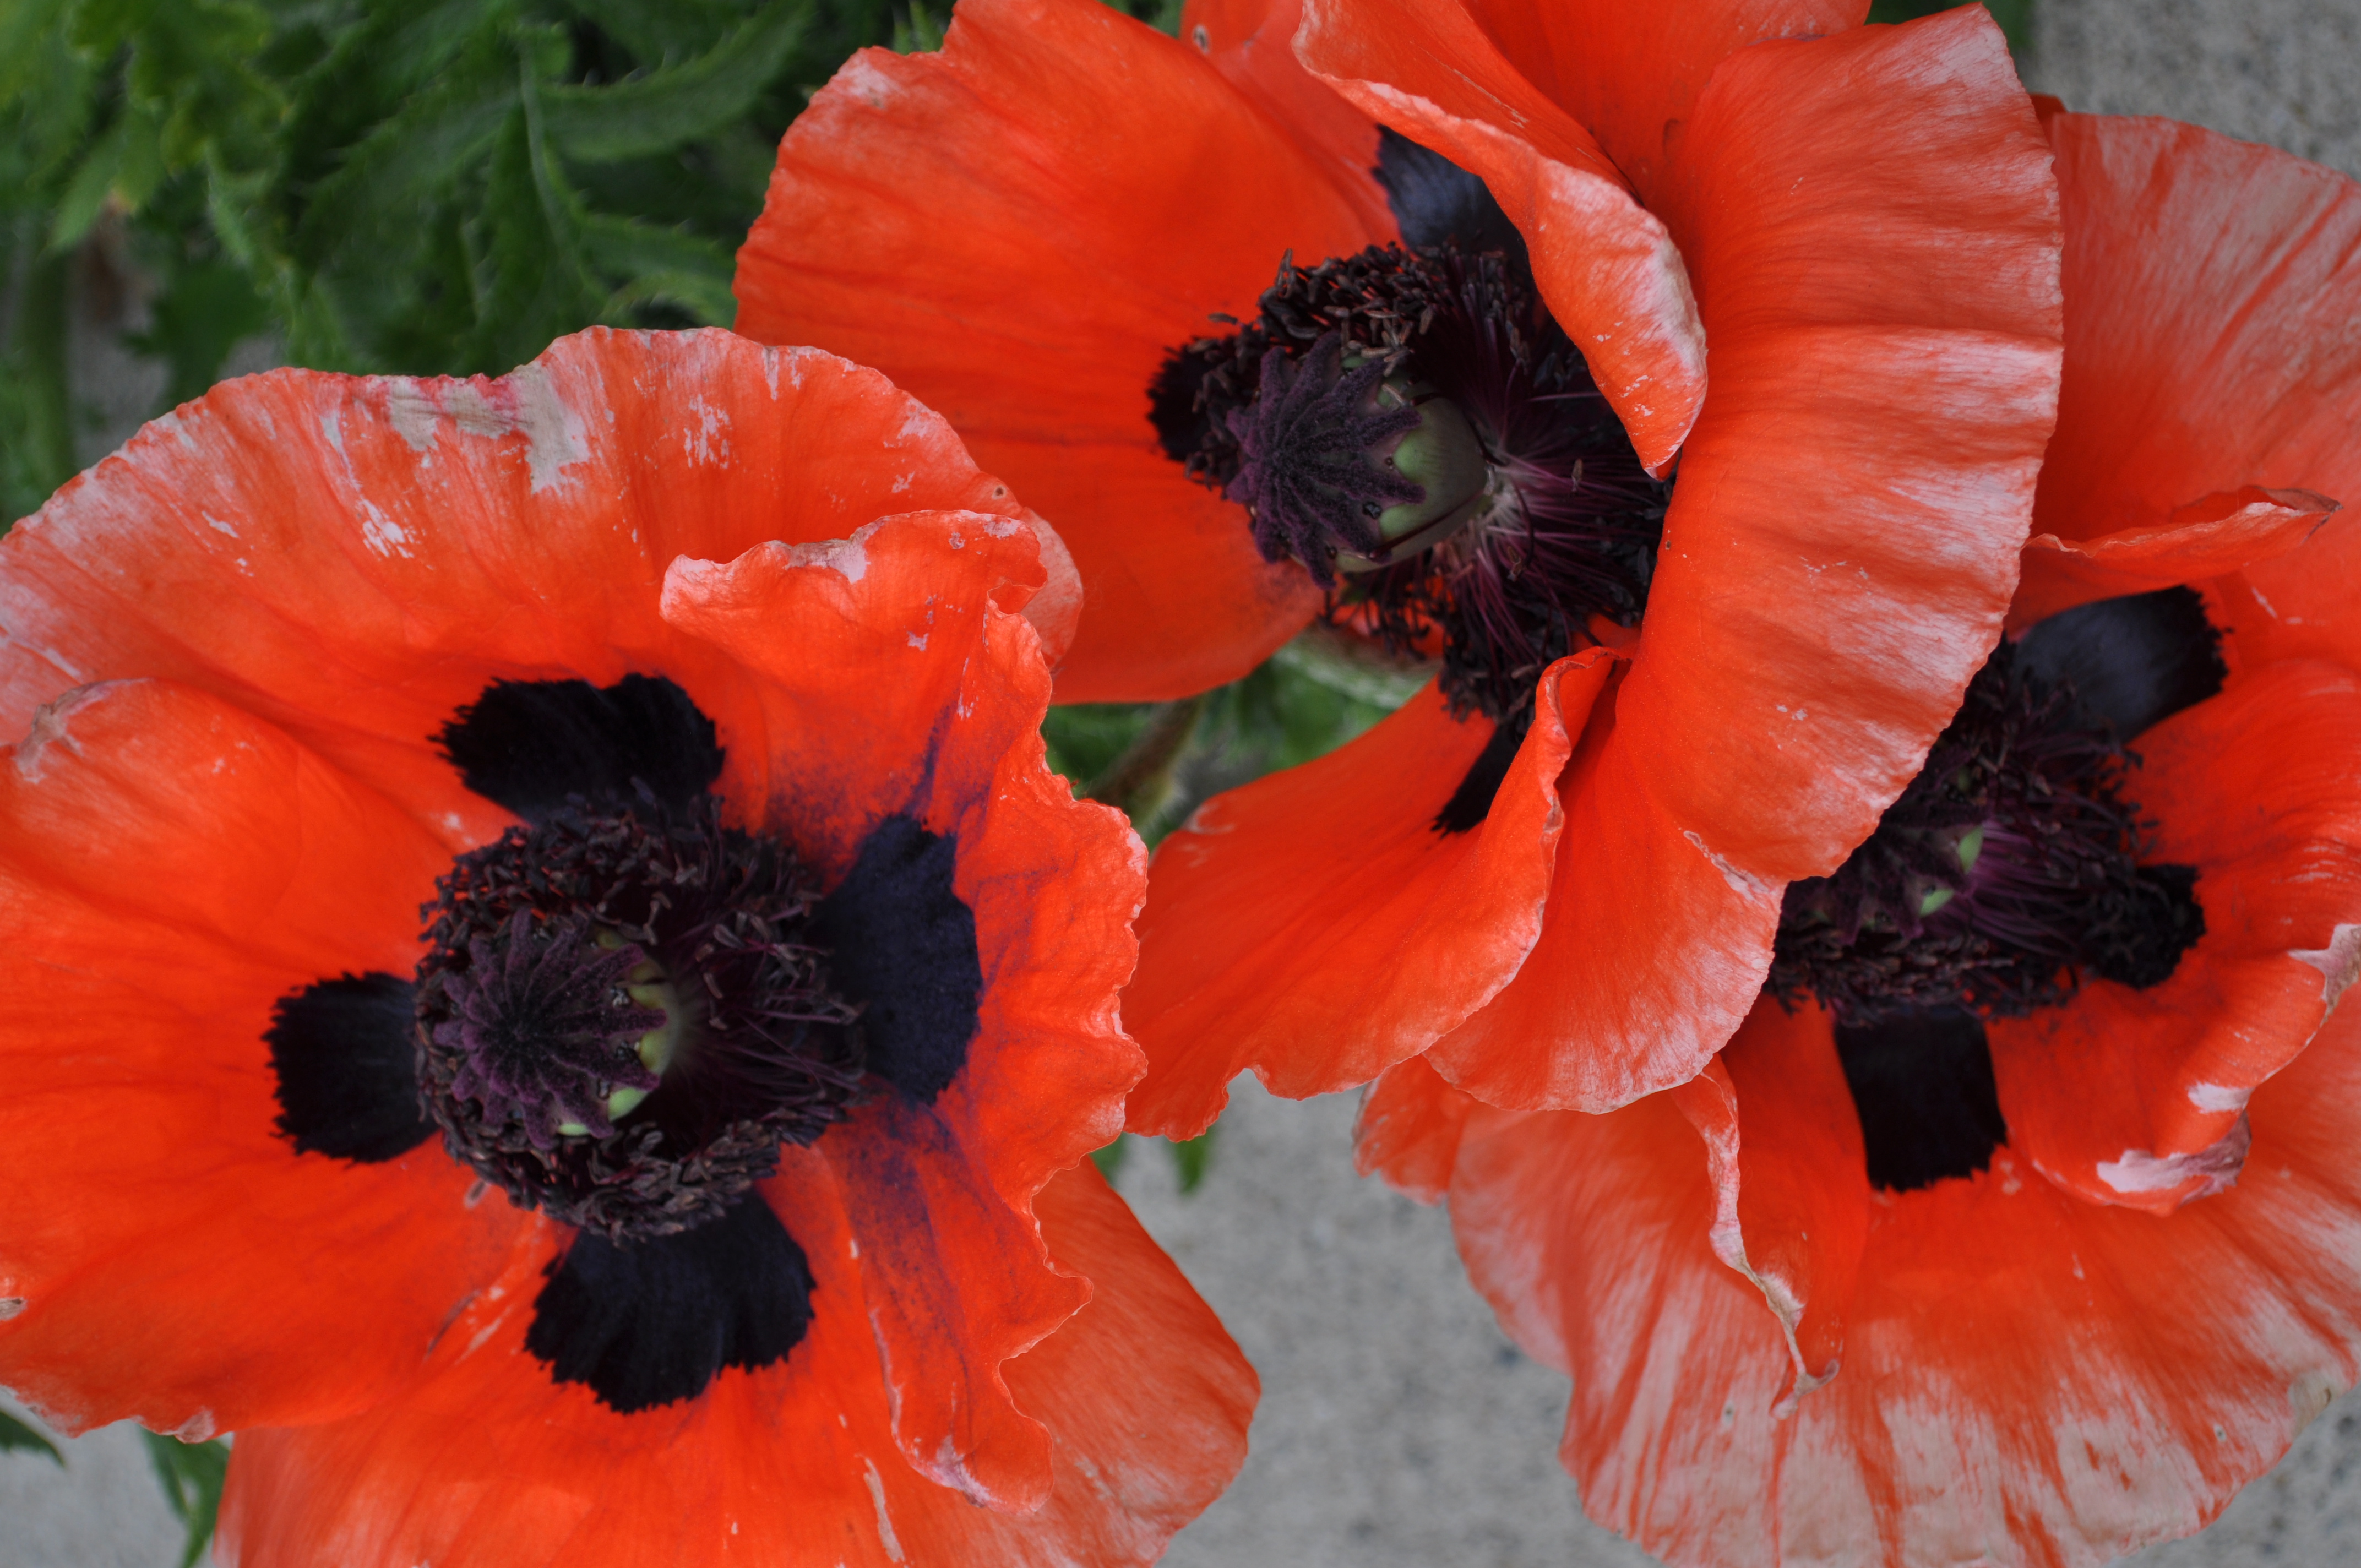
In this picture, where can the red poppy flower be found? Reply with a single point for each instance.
(1062, 231)
(765, 1005)
(2059, 1258)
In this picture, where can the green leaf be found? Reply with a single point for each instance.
(15, 1435)
(661, 30)
(434, 141)
(2014, 16)
(190, 1475)
(678, 102)
(208, 309)
(659, 264)
(1192, 1157)
(1112, 1159)
(85, 194)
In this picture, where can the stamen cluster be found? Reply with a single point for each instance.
(1569, 524)
(2006, 874)
(528, 1014)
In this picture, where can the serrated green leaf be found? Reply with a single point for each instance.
(190, 1475)
(20, 1437)
(678, 102)
(661, 30)
(424, 149)
(650, 265)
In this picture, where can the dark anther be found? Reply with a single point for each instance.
(1311, 446)
(1922, 1084)
(2132, 662)
(1436, 203)
(531, 746)
(573, 962)
(652, 1320)
(2008, 873)
(906, 954)
(346, 1070)
(1534, 516)
(1471, 803)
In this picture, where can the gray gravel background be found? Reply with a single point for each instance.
(1399, 1429)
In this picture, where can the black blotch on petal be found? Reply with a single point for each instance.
(1435, 200)
(652, 1320)
(347, 1063)
(2133, 661)
(1180, 425)
(901, 946)
(1471, 803)
(1922, 1084)
(529, 745)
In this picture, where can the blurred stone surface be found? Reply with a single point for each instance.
(1399, 1429)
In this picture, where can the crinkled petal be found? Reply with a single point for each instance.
(356, 558)
(488, 1464)
(170, 869)
(1020, 229)
(906, 688)
(1631, 73)
(2134, 1097)
(2212, 287)
(1653, 950)
(1606, 265)
(2209, 537)
(1315, 926)
(2023, 1379)
(1873, 229)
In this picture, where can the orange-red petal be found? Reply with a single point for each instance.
(490, 1465)
(1790, 1190)
(1606, 265)
(353, 558)
(1314, 926)
(2119, 1095)
(1019, 229)
(1650, 954)
(1873, 229)
(1631, 73)
(2027, 1379)
(905, 687)
(2209, 537)
(1252, 43)
(2211, 286)
(170, 868)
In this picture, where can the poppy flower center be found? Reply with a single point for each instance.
(623, 1015)
(1413, 428)
(2009, 871)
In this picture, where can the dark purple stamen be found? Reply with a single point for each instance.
(543, 1027)
(1562, 526)
(528, 1021)
(2006, 874)
(1308, 444)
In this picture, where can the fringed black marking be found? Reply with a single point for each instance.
(2132, 662)
(904, 950)
(531, 746)
(652, 1320)
(347, 1068)
(1922, 1084)
(1437, 203)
